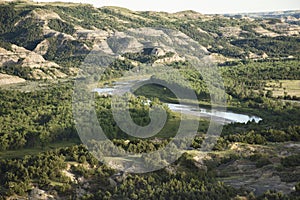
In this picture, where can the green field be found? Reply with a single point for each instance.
(282, 87)
(20, 153)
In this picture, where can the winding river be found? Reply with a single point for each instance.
(121, 87)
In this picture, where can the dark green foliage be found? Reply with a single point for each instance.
(27, 33)
(61, 26)
(5, 45)
(262, 162)
(16, 70)
(17, 175)
(261, 136)
(45, 168)
(69, 51)
(191, 31)
(183, 78)
(291, 161)
(35, 118)
(8, 17)
(40, 118)
(140, 146)
(88, 17)
(146, 56)
(247, 81)
(67, 54)
(289, 175)
(117, 69)
(273, 195)
(139, 111)
(275, 47)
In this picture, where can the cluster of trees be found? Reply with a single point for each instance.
(163, 186)
(44, 116)
(275, 127)
(139, 112)
(245, 134)
(45, 171)
(8, 17)
(41, 117)
(183, 77)
(116, 69)
(178, 181)
(89, 17)
(61, 26)
(5, 45)
(282, 46)
(140, 146)
(253, 72)
(29, 33)
(247, 82)
(17, 70)
(16, 175)
(35, 118)
(291, 161)
(261, 137)
(145, 56)
(67, 53)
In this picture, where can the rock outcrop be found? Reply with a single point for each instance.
(171, 59)
(40, 68)
(9, 79)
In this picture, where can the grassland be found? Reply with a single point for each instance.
(284, 87)
(20, 153)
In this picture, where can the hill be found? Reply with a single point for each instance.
(50, 40)
(49, 147)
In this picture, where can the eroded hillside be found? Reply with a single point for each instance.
(50, 40)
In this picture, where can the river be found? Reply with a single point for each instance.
(226, 117)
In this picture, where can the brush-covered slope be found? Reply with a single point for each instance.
(50, 40)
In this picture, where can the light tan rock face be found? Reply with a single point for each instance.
(287, 29)
(43, 14)
(256, 56)
(158, 52)
(9, 79)
(218, 58)
(7, 57)
(188, 14)
(171, 59)
(32, 59)
(42, 47)
(265, 32)
(91, 35)
(231, 31)
(39, 194)
(40, 68)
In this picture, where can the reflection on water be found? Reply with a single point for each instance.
(224, 117)
(228, 116)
